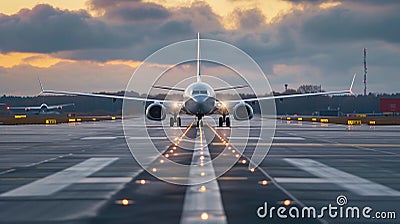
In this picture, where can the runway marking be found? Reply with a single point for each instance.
(107, 179)
(245, 138)
(206, 202)
(300, 180)
(348, 181)
(7, 171)
(100, 138)
(316, 144)
(153, 138)
(60, 180)
(288, 138)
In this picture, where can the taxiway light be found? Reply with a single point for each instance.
(264, 182)
(171, 151)
(201, 164)
(162, 161)
(229, 148)
(166, 155)
(233, 150)
(125, 202)
(201, 157)
(142, 182)
(154, 170)
(252, 170)
(244, 161)
(286, 202)
(174, 147)
(204, 216)
(202, 174)
(237, 155)
(202, 188)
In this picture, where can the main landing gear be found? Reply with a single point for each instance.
(173, 120)
(222, 120)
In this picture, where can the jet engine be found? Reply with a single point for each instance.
(156, 112)
(242, 111)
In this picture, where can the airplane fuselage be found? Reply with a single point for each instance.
(199, 99)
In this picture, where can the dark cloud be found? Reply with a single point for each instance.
(249, 19)
(46, 29)
(345, 23)
(127, 11)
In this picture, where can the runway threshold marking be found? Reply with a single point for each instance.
(348, 181)
(202, 203)
(60, 180)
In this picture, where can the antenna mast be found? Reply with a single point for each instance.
(365, 71)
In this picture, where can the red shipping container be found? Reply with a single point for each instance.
(389, 104)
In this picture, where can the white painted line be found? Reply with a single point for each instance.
(288, 138)
(348, 181)
(245, 138)
(7, 171)
(60, 180)
(197, 201)
(92, 180)
(301, 180)
(153, 138)
(100, 138)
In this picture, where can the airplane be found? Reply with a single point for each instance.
(43, 108)
(199, 100)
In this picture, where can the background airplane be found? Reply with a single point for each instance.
(42, 109)
(199, 100)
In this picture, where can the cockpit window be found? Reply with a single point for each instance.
(194, 92)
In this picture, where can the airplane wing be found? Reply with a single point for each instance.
(230, 87)
(348, 91)
(61, 105)
(24, 108)
(169, 88)
(109, 96)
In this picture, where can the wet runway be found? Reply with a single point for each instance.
(85, 173)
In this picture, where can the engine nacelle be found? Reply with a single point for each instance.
(156, 112)
(242, 112)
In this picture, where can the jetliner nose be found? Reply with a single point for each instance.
(200, 105)
(200, 99)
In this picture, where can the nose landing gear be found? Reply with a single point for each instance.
(174, 120)
(222, 120)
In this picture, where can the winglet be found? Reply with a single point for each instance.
(41, 87)
(352, 83)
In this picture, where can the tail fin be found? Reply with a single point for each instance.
(41, 87)
(198, 58)
(352, 83)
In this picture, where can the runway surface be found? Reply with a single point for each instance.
(85, 173)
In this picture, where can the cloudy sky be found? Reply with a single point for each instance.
(95, 45)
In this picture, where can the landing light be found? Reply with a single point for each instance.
(204, 216)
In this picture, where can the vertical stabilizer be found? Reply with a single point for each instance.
(198, 58)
